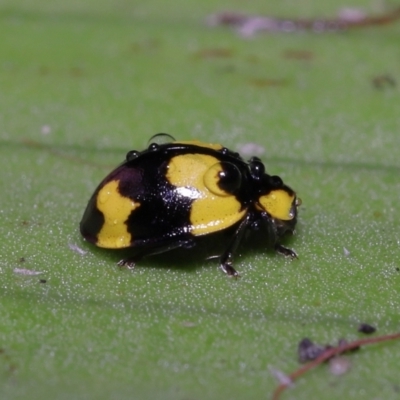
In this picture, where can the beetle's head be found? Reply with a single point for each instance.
(277, 200)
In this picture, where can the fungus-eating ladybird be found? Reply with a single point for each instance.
(169, 194)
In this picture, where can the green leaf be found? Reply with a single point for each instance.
(81, 84)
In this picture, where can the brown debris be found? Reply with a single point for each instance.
(348, 18)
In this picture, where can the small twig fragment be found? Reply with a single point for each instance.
(343, 347)
(282, 378)
(28, 272)
(77, 249)
(348, 18)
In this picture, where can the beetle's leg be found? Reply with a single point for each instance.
(167, 245)
(285, 251)
(129, 262)
(227, 257)
(274, 235)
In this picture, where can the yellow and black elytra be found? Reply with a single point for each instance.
(169, 194)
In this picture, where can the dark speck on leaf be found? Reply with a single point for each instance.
(214, 53)
(308, 350)
(366, 328)
(383, 81)
(298, 55)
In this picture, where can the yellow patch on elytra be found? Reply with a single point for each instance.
(278, 203)
(116, 210)
(210, 211)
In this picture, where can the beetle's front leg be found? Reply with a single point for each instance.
(226, 259)
(285, 251)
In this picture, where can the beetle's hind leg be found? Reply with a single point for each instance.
(150, 250)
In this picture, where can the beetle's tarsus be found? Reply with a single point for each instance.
(128, 263)
(285, 251)
(229, 270)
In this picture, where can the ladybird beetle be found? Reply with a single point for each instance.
(169, 194)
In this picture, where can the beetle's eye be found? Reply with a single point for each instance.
(131, 155)
(160, 138)
(257, 168)
(223, 179)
